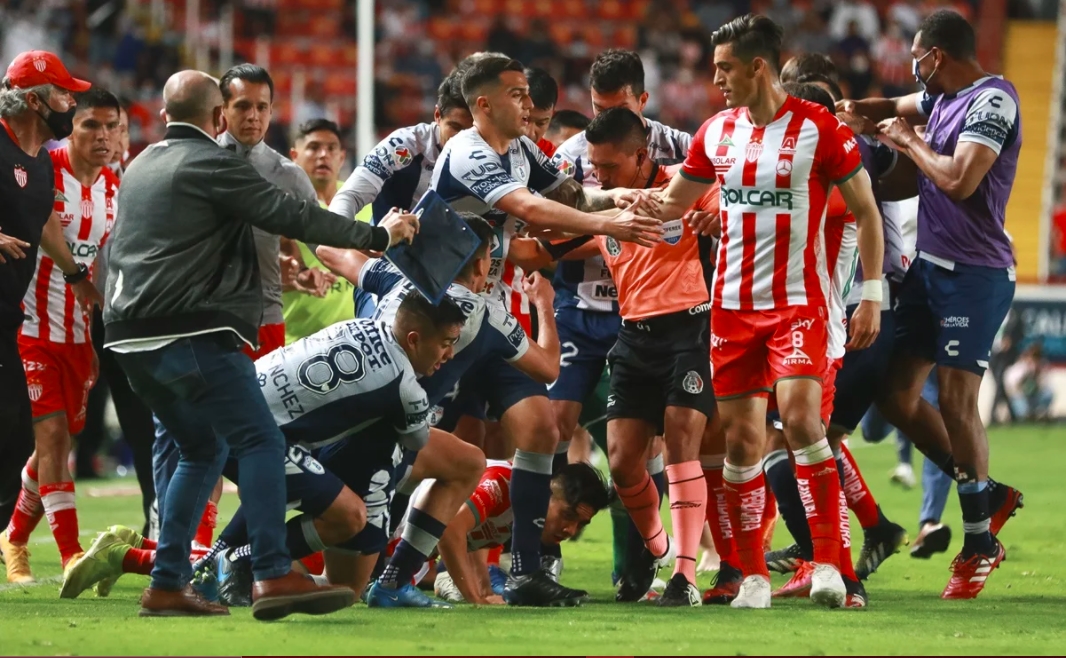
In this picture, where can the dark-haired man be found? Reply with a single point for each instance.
(248, 93)
(544, 92)
(318, 150)
(960, 287)
(776, 158)
(484, 521)
(54, 342)
(564, 125)
(587, 304)
(493, 170)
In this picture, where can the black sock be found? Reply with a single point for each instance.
(551, 550)
(236, 531)
(782, 482)
(530, 494)
(561, 458)
(242, 553)
(301, 537)
(421, 532)
(943, 460)
(216, 548)
(973, 498)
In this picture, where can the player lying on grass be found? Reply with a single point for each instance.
(484, 521)
(357, 375)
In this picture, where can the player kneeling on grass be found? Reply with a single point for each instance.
(322, 389)
(578, 492)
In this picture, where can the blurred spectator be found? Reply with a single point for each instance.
(1005, 352)
(260, 17)
(1027, 385)
(858, 11)
(811, 35)
(893, 62)
(907, 14)
(502, 39)
(853, 60)
(538, 50)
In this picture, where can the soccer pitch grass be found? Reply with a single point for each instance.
(1022, 610)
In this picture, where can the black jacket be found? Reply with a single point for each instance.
(182, 256)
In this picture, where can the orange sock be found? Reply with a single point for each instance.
(642, 502)
(58, 501)
(688, 499)
(494, 555)
(138, 560)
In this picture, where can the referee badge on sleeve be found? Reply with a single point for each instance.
(693, 383)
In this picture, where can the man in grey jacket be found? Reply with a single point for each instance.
(183, 293)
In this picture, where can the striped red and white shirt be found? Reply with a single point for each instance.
(87, 214)
(775, 183)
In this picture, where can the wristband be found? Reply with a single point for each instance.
(77, 277)
(872, 291)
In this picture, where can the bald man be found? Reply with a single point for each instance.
(183, 295)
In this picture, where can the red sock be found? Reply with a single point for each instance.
(315, 563)
(205, 532)
(819, 488)
(745, 490)
(642, 503)
(58, 501)
(769, 518)
(847, 567)
(28, 509)
(138, 560)
(718, 517)
(494, 555)
(858, 495)
(688, 499)
(148, 544)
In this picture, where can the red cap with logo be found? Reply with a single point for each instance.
(39, 67)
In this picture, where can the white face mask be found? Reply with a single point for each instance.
(918, 76)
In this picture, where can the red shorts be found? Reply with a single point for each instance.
(752, 350)
(271, 337)
(829, 388)
(59, 377)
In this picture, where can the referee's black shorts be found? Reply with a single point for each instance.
(661, 362)
(16, 423)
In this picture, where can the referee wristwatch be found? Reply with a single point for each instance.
(77, 277)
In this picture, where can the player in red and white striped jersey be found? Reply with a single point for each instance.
(776, 158)
(57, 352)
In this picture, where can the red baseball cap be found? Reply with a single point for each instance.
(39, 67)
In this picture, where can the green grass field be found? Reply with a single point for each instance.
(1022, 610)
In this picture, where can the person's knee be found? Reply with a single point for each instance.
(52, 437)
(346, 517)
(532, 429)
(467, 466)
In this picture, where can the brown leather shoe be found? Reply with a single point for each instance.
(281, 597)
(183, 603)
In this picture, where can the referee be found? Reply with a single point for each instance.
(36, 105)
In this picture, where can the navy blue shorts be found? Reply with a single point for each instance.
(498, 385)
(951, 317)
(364, 303)
(860, 376)
(309, 486)
(368, 464)
(445, 416)
(586, 337)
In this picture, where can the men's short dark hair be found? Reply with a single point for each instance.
(752, 35)
(317, 125)
(483, 230)
(816, 78)
(568, 119)
(581, 484)
(484, 72)
(97, 97)
(543, 89)
(811, 92)
(416, 310)
(615, 69)
(808, 64)
(619, 126)
(950, 32)
(450, 94)
(247, 73)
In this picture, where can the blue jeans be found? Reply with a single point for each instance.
(205, 393)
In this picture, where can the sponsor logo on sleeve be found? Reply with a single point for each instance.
(516, 336)
(402, 155)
